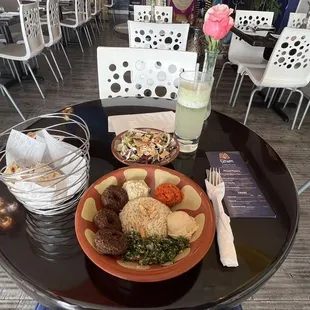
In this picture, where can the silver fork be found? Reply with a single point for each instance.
(214, 176)
(215, 188)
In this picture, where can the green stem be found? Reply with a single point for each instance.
(212, 43)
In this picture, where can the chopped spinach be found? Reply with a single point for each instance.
(153, 250)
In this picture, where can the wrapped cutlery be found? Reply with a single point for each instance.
(225, 239)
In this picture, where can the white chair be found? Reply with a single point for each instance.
(110, 7)
(163, 14)
(288, 66)
(5, 92)
(130, 72)
(32, 38)
(78, 21)
(96, 13)
(88, 19)
(158, 36)
(241, 53)
(296, 20)
(54, 31)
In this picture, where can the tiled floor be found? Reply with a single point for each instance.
(289, 288)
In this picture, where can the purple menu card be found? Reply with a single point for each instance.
(243, 197)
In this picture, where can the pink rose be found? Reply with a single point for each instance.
(218, 21)
(218, 12)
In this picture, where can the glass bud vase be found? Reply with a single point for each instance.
(153, 17)
(208, 67)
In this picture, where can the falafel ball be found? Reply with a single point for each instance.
(110, 241)
(107, 218)
(114, 198)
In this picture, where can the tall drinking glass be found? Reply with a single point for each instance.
(193, 98)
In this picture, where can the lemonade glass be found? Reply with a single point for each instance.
(193, 98)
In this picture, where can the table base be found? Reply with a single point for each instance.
(275, 105)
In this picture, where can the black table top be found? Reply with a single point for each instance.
(43, 256)
(5, 21)
(256, 40)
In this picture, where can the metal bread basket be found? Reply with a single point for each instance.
(55, 184)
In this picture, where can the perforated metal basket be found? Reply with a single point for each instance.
(72, 171)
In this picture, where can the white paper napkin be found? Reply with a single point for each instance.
(225, 238)
(160, 120)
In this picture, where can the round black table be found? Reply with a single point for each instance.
(44, 258)
(121, 31)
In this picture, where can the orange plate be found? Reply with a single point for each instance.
(117, 140)
(194, 196)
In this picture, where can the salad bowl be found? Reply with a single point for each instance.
(145, 146)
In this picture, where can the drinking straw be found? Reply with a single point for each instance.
(196, 72)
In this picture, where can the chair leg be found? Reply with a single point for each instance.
(271, 98)
(304, 115)
(63, 49)
(64, 35)
(267, 95)
(16, 72)
(282, 93)
(113, 15)
(288, 99)
(298, 107)
(100, 20)
(219, 79)
(92, 29)
(89, 36)
(250, 103)
(237, 93)
(67, 35)
(12, 71)
(25, 69)
(303, 188)
(96, 22)
(48, 62)
(34, 78)
(37, 63)
(56, 64)
(86, 34)
(78, 36)
(12, 101)
(233, 90)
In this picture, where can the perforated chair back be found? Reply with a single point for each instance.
(31, 29)
(289, 64)
(158, 36)
(238, 48)
(79, 12)
(296, 20)
(53, 22)
(131, 72)
(163, 14)
(87, 11)
(97, 6)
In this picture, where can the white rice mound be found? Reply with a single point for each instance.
(145, 213)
